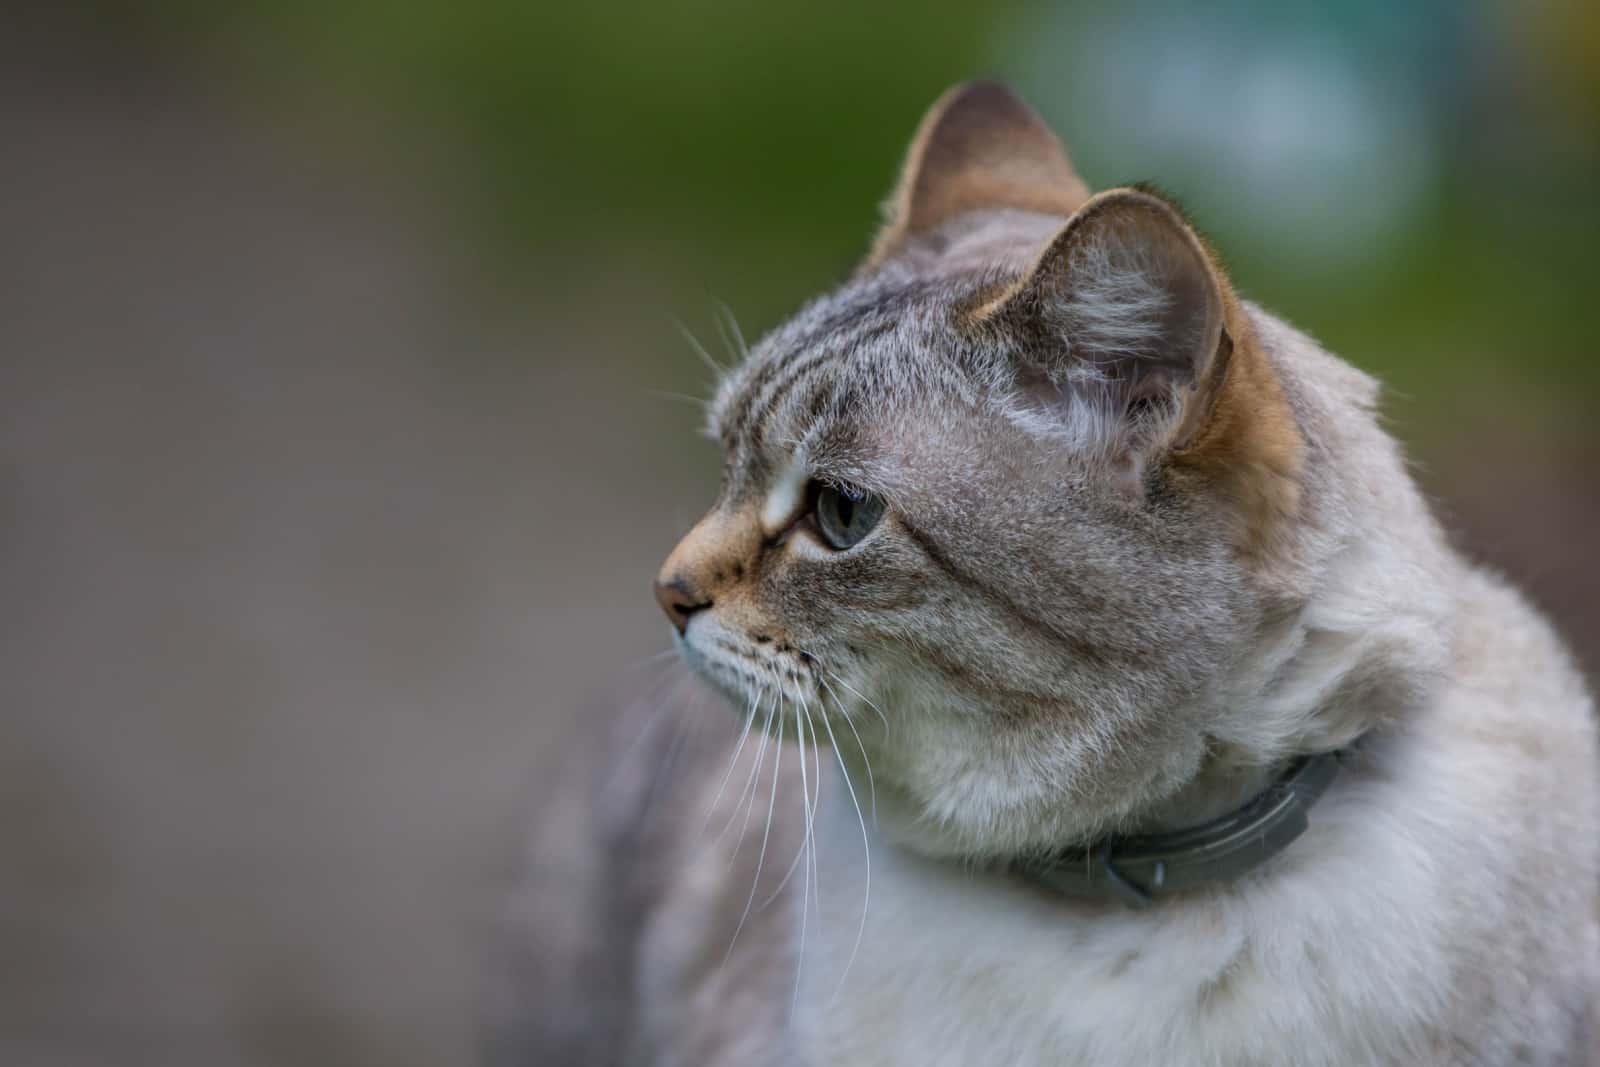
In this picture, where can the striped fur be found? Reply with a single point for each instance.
(1144, 544)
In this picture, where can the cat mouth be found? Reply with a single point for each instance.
(754, 675)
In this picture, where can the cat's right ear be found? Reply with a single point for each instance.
(979, 148)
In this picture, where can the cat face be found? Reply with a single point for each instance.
(993, 510)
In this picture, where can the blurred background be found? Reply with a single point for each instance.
(342, 417)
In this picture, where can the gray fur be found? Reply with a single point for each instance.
(1058, 656)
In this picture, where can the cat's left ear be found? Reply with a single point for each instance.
(1129, 331)
(979, 148)
(1124, 308)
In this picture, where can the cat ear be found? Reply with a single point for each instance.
(1130, 337)
(978, 147)
(1122, 316)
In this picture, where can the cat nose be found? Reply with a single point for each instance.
(707, 563)
(679, 601)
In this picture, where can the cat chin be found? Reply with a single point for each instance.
(950, 784)
(752, 679)
(953, 786)
(725, 680)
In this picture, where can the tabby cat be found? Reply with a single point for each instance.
(1109, 694)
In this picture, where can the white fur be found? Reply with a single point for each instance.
(1051, 655)
(1393, 894)
(785, 497)
(1440, 910)
(1115, 304)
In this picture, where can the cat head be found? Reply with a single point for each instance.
(1007, 508)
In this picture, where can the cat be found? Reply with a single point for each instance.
(1066, 549)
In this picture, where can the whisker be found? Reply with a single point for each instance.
(866, 852)
(761, 756)
(654, 658)
(746, 792)
(766, 834)
(858, 693)
(801, 851)
(705, 357)
(816, 803)
(738, 335)
(805, 881)
(849, 720)
(684, 398)
(733, 761)
(722, 331)
(749, 803)
(816, 661)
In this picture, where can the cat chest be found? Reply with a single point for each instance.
(955, 968)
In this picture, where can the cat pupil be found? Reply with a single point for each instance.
(844, 516)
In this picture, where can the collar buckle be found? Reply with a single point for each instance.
(1122, 887)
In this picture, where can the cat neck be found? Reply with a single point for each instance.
(1228, 779)
(1230, 820)
(1142, 869)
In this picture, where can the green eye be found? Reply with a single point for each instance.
(844, 517)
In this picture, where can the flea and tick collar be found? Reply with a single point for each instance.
(1141, 870)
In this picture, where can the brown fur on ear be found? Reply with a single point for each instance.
(1243, 440)
(1129, 288)
(1248, 444)
(978, 147)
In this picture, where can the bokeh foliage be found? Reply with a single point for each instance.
(741, 149)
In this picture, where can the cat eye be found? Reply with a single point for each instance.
(845, 516)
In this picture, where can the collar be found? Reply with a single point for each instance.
(1140, 870)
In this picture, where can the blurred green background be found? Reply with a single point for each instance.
(340, 440)
(1413, 183)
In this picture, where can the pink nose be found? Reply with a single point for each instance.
(679, 600)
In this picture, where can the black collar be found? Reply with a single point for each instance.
(1139, 870)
